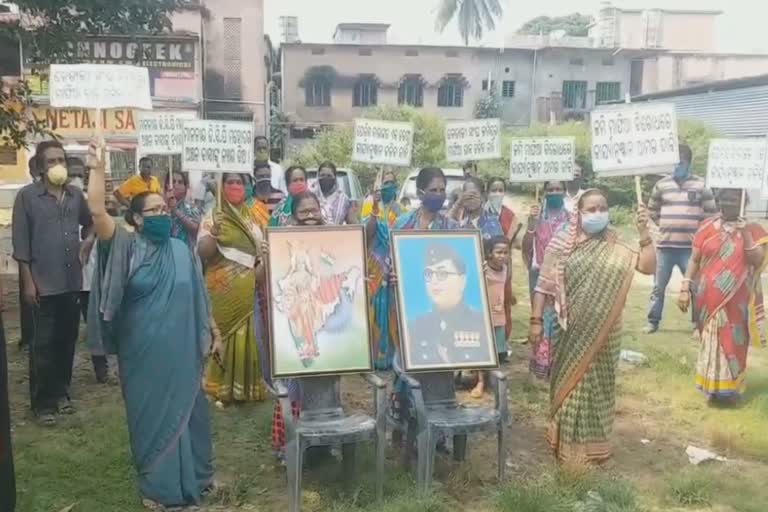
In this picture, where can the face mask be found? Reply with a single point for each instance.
(388, 192)
(263, 186)
(327, 184)
(682, 170)
(555, 201)
(433, 201)
(234, 193)
(261, 155)
(593, 223)
(311, 221)
(57, 175)
(297, 187)
(495, 200)
(157, 228)
(77, 183)
(473, 203)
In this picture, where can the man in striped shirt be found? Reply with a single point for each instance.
(679, 203)
(263, 189)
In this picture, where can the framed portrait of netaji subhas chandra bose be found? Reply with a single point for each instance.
(318, 302)
(442, 305)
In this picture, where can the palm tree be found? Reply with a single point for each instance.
(474, 16)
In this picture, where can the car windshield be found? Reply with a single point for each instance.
(454, 183)
(341, 178)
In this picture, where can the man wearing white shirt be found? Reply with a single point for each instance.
(261, 154)
(573, 189)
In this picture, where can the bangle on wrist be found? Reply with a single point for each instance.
(537, 320)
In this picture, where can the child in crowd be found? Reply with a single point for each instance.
(498, 280)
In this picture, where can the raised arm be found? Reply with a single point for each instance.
(103, 224)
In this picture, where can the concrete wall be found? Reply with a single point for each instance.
(679, 31)
(252, 82)
(667, 72)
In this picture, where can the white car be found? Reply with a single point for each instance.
(454, 178)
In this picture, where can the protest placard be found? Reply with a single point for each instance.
(383, 142)
(162, 133)
(736, 163)
(540, 159)
(473, 140)
(218, 146)
(634, 139)
(99, 86)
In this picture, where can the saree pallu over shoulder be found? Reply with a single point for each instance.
(152, 309)
(592, 291)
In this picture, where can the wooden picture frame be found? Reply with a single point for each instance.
(318, 301)
(442, 301)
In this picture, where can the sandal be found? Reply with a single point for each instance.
(46, 418)
(152, 505)
(66, 407)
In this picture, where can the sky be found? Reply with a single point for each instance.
(740, 29)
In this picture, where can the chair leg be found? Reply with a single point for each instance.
(381, 440)
(294, 464)
(460, 447)
(348, 462)
(502, 453)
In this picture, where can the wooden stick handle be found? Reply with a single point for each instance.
(743, 210)
(639, 190)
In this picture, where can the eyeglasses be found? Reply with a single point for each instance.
(441, 275)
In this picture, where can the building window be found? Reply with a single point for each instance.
(450, 93)
(318, 51)
(576, 61)
(607, 61)
(575, 94)
(411, 92)
(365, 52)
(411, 53)
(607, 91)
(233, 45)
(508, 89)
(8, 156)
(485, 85)
(317, 92)
(366, 92)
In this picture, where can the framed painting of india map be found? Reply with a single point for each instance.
(318, 301)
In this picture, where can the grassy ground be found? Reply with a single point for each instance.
(85, 461)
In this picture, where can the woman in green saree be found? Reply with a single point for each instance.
(296, 179)
(230, 246)
(587, 271)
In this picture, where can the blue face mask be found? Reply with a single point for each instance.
(555, 201)
(594, 223)
(433, 201)
(682, 170)
(157, 228)
(388, 191)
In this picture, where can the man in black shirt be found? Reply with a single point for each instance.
(47, 216)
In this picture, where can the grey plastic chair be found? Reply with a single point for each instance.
(323, 422)
(439, 413)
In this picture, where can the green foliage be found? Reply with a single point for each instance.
(336, 144)
(488, 107)
(473, 16)
(621, 215)
(690, 490)
(574, 25)
(66, 22)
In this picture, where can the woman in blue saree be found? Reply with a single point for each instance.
(148, 305)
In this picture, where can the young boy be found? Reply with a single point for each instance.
(498, 280)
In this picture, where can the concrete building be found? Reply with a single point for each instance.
(533, 77)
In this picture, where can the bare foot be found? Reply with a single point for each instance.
(478, 391)
(152, 505)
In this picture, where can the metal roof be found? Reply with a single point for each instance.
(718, 85)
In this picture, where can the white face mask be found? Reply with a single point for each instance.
(77, 182)
(495, 200)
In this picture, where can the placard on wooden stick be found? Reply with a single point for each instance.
(99, 86)
(540, 159)
(383, 142)
(218, 146)
(473, 140)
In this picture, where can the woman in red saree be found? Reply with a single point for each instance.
(728, 257)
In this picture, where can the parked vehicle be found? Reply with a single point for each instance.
(348, 182)
(454, 178)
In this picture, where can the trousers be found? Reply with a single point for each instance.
(7, 479)
(52, 350)
(667, 258)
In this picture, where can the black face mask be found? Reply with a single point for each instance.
(327, 184)
(263, 186)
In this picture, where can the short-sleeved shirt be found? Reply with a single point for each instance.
(136, 185)
(46, 235)
(679, 208)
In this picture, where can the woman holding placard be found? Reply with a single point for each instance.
(510, 226)
(149, 306)
(587, 273)
(185, 216)
(296, 178)
(544, 223)
(230, 247)
(728, 257)
(468, 210)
